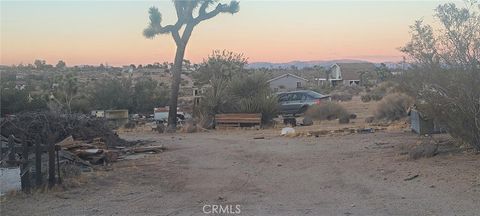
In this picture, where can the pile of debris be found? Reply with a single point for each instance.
(79, 126)
(80, 139)
(97, 151)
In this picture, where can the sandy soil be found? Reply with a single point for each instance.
(357, 174)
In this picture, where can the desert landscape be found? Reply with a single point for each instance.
(222, 107)
(269, 174)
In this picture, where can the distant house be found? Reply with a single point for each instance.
(287, 82)
(347, 73)
(198, 93)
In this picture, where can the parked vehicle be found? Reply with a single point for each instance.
(162, 117)
(297, 102)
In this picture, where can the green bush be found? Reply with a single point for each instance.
(393, 107)
(326, 111)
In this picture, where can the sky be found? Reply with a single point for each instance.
(110, 32)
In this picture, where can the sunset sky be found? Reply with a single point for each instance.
(94, 32)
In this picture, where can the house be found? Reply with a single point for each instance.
(347, 73)
(287, 82)
(198, 93)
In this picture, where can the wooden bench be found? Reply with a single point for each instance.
(238, 119)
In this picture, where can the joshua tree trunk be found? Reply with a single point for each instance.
(185, 15)
(175, 87)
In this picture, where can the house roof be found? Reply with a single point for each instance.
(352, 71)
(287, 75)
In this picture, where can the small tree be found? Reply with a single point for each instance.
(61, 64)
(220, 65)
(445, 78)
(186, 11)
(67, 91)
(39, 64)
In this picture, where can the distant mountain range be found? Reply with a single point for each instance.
(304, 64)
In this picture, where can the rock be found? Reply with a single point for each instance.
(190, 127)
(369, 119)
(287, 130)
(344, 120)
(429, 149)
(290, 121)
(307, 121)
(353, 116)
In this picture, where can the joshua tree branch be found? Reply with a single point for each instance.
(220, 8)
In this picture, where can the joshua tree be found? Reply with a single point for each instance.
(189, 14)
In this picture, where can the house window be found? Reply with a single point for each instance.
(299, 84)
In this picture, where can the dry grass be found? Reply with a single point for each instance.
(393, 107)
(326, 111)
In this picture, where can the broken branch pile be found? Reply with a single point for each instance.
(97, 152)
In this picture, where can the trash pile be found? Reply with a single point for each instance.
(40, 125)
(79, 139)
(97, 151)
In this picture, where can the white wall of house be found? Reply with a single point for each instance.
(287, 83)
(335, 74)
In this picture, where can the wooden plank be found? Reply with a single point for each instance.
(236, 119)
(25, 170)
(239, 121)
(11, 148)
(38, 162)
(244, 115)
(51, 160)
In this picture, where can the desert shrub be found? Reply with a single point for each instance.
(245, 93)
(366, 98)
(265, 104)
(349, 89)
(326, 111)
(393, 107)
(378, 92)
(444, 77)
(341, 96)
(216, 99)
(341, 92)
(345, 119)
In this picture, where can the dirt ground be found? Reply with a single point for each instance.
(334, 174)
(356, 174)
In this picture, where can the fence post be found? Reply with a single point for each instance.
(51, 161)
(25, 170)
(57, 149)
(11, 148)
(38, 161)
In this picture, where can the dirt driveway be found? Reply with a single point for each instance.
(357, 174)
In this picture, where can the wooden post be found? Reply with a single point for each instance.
(25, 169)
(51, 161)
(11, 148)
(57, 149)
(38, 161)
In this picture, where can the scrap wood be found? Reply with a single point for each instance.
(72, 157)
(411, 178)
(111, 156)
(87, 152)
(143, 149)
